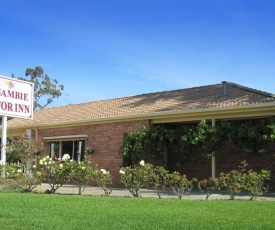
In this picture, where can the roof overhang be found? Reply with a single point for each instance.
(233, 112)
(229, 112)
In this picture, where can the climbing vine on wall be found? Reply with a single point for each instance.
(133, 147)
(252, 136)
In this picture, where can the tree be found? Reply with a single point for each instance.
(22, 149)
(44, 87)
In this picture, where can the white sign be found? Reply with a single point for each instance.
(29, 133)
(16, 98)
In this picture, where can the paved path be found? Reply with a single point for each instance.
(122, 192)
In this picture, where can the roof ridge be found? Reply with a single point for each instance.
(264, 93)
(167, 91)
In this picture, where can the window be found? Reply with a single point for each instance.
(73, 145)
(74, 148)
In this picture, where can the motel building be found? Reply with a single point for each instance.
(103, 124)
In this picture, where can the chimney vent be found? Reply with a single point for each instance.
(224, 90)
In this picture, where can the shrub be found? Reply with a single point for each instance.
(80, 173)
(29, 180)
(157, 179)
(12, 186)
(135, 178)
(234, 181)
(104, 180)
(209, 186)
(255, 183)
(179, 184)
(55, 172)
(18, 180)
(243, 180)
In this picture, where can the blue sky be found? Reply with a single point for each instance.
(114, 48)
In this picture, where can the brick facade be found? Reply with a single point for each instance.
(106, 140)
(230, 158)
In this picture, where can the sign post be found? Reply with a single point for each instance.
(3, 144)
(16, 100)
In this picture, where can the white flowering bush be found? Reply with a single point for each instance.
(158, 177)
(104, 180)
(80, 173)
(54, 172)
(18, 180)
(136, 178)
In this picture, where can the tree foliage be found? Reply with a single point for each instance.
(133, 147)
(45, 88)
(23, 148)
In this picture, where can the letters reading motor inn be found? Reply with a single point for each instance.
(103, 124)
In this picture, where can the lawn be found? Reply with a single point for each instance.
(41, 211)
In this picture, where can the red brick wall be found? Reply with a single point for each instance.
(106, 140)
(230, 158)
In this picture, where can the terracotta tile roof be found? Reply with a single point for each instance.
(210, 96)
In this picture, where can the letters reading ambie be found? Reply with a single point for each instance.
(14, 94)
(14, 107)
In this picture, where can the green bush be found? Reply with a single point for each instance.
(12, 186)
(104, 180)
(243, 180)
(209, 186)
(80, 173)
(135, 178)
(234, 181)
(55, 172)
(255, 183)
(18, 180)
(180, 184)
(158, 178)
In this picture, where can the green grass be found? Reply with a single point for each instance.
(41, 211)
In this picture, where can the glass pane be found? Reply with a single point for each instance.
(54, 149)
(78, 153)
(75, 149)
(67, 148)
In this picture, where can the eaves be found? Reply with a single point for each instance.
(229, 112)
